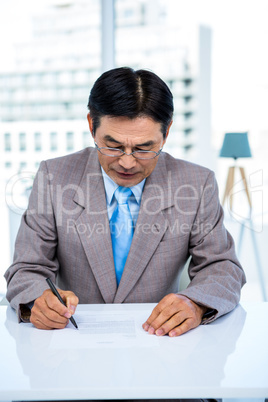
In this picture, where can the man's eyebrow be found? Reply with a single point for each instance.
(108, 137)
(146, 144)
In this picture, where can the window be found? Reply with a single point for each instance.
(37, 142)
(23, 165)
(22, 142)
(69, 141)
(7, 142)
(46, 61)
(86, 139)
(53, 142)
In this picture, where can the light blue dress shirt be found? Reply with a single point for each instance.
(134, 201)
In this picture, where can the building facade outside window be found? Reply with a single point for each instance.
(22, 142)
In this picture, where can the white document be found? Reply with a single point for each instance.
(104, 329)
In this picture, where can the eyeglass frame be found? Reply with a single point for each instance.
(124, 153)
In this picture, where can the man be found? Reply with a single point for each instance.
(68, 233)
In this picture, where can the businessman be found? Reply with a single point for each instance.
(117, 223)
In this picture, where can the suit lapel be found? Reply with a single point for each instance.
(95, 236)
(150, 228)
(96, 239)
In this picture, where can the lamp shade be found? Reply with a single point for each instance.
(235, 145)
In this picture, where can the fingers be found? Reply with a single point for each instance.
(70, 299)
(174, 315)
(48, 312)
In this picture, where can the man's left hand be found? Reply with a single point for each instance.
(174, 315)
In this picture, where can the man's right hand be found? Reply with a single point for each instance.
(49, 313)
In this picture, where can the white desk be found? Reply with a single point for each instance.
(228, 359)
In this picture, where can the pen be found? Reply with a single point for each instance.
(56, 293)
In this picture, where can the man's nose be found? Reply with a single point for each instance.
(127, 161)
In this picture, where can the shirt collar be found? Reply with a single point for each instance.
(110, 187)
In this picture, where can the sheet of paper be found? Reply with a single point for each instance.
(105, 330)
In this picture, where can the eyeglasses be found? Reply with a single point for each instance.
(116, 153)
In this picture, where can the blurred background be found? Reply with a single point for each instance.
(211, 53)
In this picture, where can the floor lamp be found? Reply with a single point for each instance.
(235, 145)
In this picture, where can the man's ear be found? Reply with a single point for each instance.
(90, 123)
(167, 132)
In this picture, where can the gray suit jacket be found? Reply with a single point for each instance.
(65, 234)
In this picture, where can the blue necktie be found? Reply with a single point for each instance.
(121, 226)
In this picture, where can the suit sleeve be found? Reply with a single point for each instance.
(215, 272)
(35, 248)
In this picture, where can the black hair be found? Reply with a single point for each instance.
(125, 92)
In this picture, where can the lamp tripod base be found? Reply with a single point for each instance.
(230, 185)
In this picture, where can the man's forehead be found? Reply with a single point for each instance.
(127, 121)
(108, 137)
(139, 126)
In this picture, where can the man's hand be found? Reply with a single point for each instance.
(48, 312)
(174, 315)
